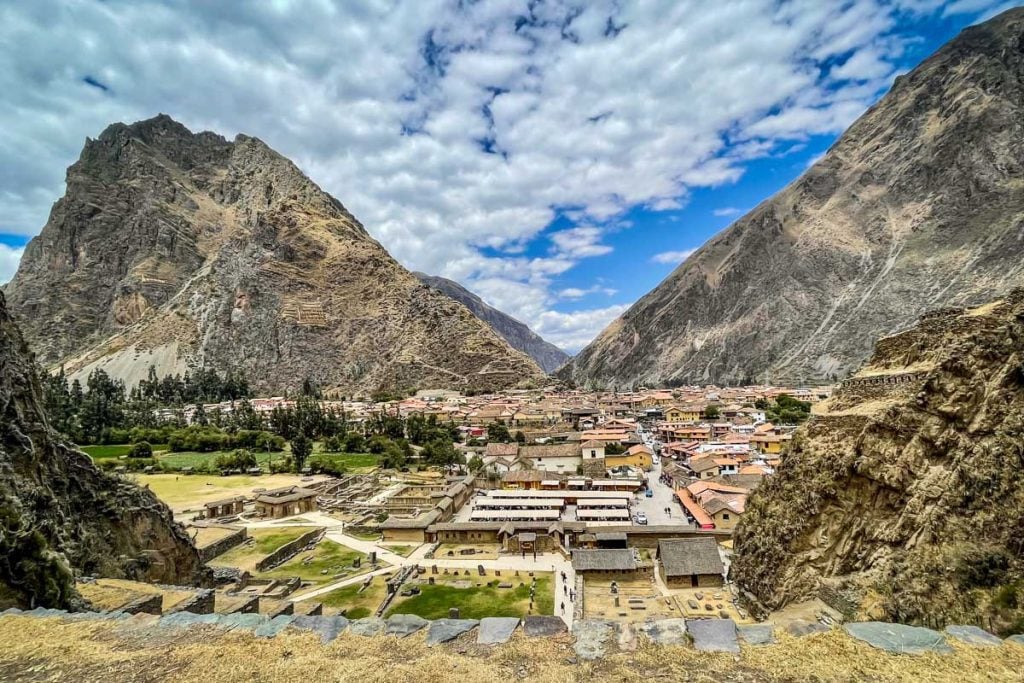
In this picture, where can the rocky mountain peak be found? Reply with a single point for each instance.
(916, 206)
(179, 250)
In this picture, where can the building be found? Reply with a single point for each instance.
(564, 458)
(224, 508)
(691, 562)
(639, 457)
(285, 502)
(604, 561)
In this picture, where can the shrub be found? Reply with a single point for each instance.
(142, 449)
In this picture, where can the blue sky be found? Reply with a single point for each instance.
(559, 159)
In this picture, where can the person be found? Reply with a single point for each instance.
(563, 607)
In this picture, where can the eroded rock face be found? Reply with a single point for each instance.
(918, 205)
(905, 490)
(180, 250)
(59, 515)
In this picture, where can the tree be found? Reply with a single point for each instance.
(711, 413)
(520, 437)
(239, 459)
(441, 452)
(143, 449)
(497, 432)
(476, 463)
(301, 448)
(355, 442)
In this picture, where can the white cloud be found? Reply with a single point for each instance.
(574, 293)
(672, 257)
(444, 126)
(727, 211)
(9, 260)
(572, 331)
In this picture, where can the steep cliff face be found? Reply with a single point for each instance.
(180, 250)
(918, 205)
(59, 515)
(548, 356)
(906, 488)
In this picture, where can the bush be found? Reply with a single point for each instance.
(319, 463)
(355, 443)
(333, 444)
(239, 459)
(142, 449)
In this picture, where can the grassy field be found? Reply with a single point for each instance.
(476, 602)
(267, 541)
(328, 556)
(53, 649)
(114, 450)
(356, 605)
(196, 459)
(351, 461)
(183, 492)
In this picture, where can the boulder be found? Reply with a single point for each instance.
(972, 635)
(757, 634)
(898, 638)
(665, 631)
(370, 626)
(538, 625)
(591, 637)
(403, 625)
(443, 630)
(714, 635)
(494, 630)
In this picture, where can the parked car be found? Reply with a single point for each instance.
(649, 493)
(640, 518)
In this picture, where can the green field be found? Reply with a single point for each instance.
(114, 450)
(350, 461)
(476, 602)
(356, 605)
(267, 541)
(196, 459)
(328, 555)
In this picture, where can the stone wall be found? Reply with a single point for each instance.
(208, 552)
(290, 549)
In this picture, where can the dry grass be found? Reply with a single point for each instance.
(34, 649)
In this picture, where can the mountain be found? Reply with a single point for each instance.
(918, 205)
(182, 250)
(903, 497)
(59, 515)
(548, 356)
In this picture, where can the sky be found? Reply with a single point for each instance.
(557, 158)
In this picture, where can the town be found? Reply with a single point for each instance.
(553, 505)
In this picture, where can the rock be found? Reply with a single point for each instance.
(714, 635)
(495, 630)
(81, 517)
(757, 634)
(403, 625)
(844, 461)
(591, 637)
(627, 637)
(328, 627)
(443, 630)
(539, 625)
(801, 628)
(246, 622)
(665, 631)
(898, 638)
(972, 635)
(187, 619)
(693, 604)
(274, 626)
(369, 626)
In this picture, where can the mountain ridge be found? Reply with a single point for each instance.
(548, 356)
(916, 206)
(182, 250)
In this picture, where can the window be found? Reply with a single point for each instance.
(725, 517)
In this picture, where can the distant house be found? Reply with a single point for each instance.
(564, 458)
(691, 562)
(639, 456)
(285, 502)
(604, 561)
(224, 508)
